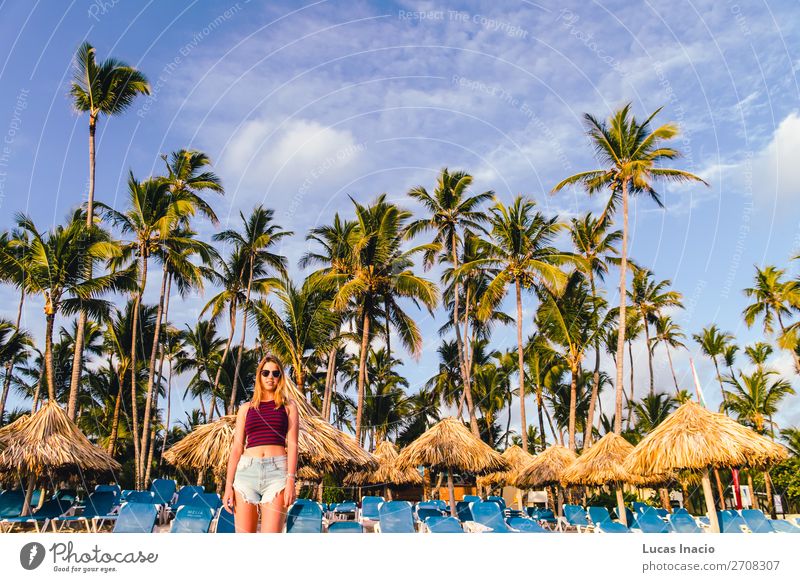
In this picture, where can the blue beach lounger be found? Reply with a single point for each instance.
(136, 518)
(395, 517)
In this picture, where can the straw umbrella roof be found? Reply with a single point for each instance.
(602, 463)
(517, 460)
(49, 440)
(388, 471)
(207, 447)
(320, 445)
(694, 438)
(546, 467)
(9, 428)
(307, 473)
(449, 444)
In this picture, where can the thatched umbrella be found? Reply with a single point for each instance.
(545, 470)
(11, 427)
(695, 438)
(449, 445)
(49, 440)
(517, 460)
(389, 472)
(320, 446)
(601, 465)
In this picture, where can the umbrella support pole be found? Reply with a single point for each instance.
(623, 516)
(26, 506)
(710, 507)
(451, 492)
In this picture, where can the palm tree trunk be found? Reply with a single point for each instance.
(721, 389)
(10, 364)
(539, 407)
(649, 354)
(631, 397)
(151, 374)
(587, 435)
(522, 419)
(709, 496)
(451, 492)
(573, 397)
(162, 355)
(235, 385)
(169, 403)
(330, 372)
(720, 489)
(134, 336)
(48, 353)
(622, 300)
(232, 325)
(77, 357)
(362, 369)
(770, 500)
(36, 393)
(462, 355)
(672, 369)
(112, 440)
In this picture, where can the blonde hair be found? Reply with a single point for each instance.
(280, 390)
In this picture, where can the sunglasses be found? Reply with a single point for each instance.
(275, 373)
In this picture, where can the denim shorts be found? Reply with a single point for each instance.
(260, 479)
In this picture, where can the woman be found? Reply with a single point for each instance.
(263, 461)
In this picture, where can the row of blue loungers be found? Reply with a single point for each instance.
(649, 519)
(191, 510)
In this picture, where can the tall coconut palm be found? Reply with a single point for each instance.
(300, 329)
(652, 410)
(758, 354)
(569, 321)
(755, 398)
(544, 365)
(773, 300)
(11, 274)
(106, 88)
(452, 209)
(378, 273)
(57, 267)
(334, 240)
(152, 214)
(259, 234)
(713, 343)
(631, 153)
(519, 249)
(594, 241)
(386, 406)
(202, 355)
(650, 299)
(668, 333)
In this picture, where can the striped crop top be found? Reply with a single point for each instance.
(266, 425)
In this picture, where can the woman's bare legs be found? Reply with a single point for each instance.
(273, 515)
(245, 515)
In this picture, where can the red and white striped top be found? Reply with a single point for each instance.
(266, 424)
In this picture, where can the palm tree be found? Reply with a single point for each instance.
(301, 329)
(569, 321)
(792, 437)
(334, 239)
(452, 210)
(378, 272)
(650, 298)
(12, 275)
(773, 299)
(106, 88)
(153, 212)
(758, 354)
(57, 267)
(259, 235)
(545, 366)
(713, 343)
(201, 354)
(386, 405)
(595, 244)
(669, 334)
(631, 153)
(520, 251)
(14, 347)
(652, 410)
(754, 398)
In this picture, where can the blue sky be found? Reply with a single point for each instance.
(302, 105)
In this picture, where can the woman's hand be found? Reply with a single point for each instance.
(288, 492)
(229, 499)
